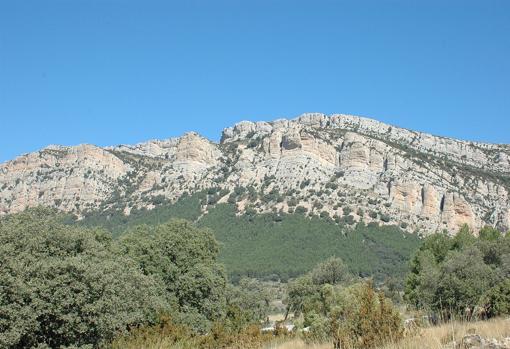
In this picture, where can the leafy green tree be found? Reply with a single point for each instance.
(453, 274)
(298, 292)
(332, 271)
(183, 258)
(247, 303)
(422, 281)
(64, 285)
(463, 238)
(464, 277)
(497, 299)
(304, 290)
(489, 233)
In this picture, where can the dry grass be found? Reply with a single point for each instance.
(428, 338)
(298, 344)
(437, 337)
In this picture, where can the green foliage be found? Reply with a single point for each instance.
(385, 218)
(63, 285)
(183, 258)
(301, 210)
(463, 279)
(169, 334)
(249, 298)
(352, 316)
(299, 291)
(489, 233)
(349, 220)
(366, 320)
(303, 291)
(187, 207)
(257, 246)
(333, 271)
(453, 275)
(497, 299)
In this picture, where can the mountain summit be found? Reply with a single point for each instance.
(344, 167)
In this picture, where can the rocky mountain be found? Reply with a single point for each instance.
(346, 167)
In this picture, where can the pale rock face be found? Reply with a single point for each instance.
(274, 144)
(431, 201)
(319, 148)
(354, 154)
(376, 160)
(291, 140)
(151, 179)
(58, 176)
(406, 197)
(192, 147)
(457, 212)
(313, 119)
(432, 183)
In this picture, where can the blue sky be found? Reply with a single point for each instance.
(118, 71)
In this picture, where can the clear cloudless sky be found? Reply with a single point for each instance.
(122, 71)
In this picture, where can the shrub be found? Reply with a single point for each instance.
(349, 219)
(292, 202)
(352, 317)
(385, 218)
(332, 185)
(304, 183)
(301, 210)
(324, 214)
(369, 322)
(318, 205)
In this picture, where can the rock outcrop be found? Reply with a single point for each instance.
(341, 164)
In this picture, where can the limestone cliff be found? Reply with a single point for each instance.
(338, 165)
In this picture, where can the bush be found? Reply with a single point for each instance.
(332, 185)
(324, 214)
(385, 218)
(292, 202)
(349, 220)
(64, 285)
(369, 321)
(304, 183)
(301, 210)
(352, 317)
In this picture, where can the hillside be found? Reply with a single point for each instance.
(345, 167)
(272, 246)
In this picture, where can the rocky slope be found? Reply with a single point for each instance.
(346, 167)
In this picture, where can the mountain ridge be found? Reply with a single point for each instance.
(347, 167)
